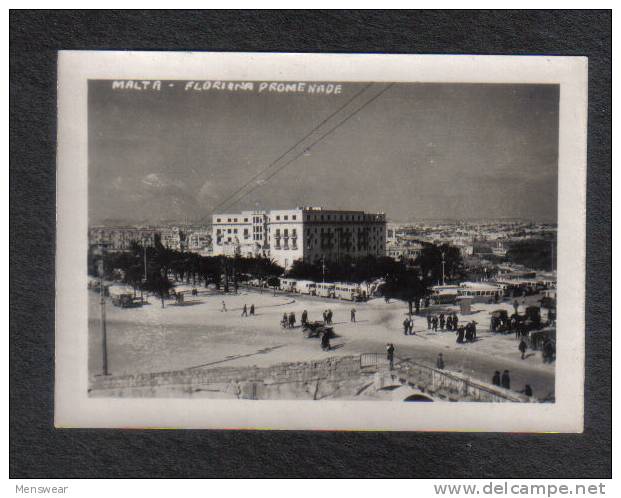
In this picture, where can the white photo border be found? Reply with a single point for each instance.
(73, 406)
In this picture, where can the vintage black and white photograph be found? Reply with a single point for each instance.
(329, 240)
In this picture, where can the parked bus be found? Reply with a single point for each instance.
(306, 287)
(349, 292)
(288, 284)
(479, 292)
(122, 295)
(444, 294)
(325, 289)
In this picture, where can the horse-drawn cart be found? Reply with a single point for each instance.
(316, 329)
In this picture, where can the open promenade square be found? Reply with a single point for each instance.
(199, 335)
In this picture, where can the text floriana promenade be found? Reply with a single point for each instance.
(306, 233)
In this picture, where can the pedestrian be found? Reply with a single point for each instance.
(474, 330)
(245, 311)
(469, 332)
(252, 310)
(390, 354)
(291, 320)
(223, 306)
(428, 321)
(325, 316)
(516, 306)
(548, 351)
(325, 341)
(455, 321)
(411, 326)
(528, 391)
(496, 378)
(434, 323)
(442, 321)
(329, 317)
(353, 315)
(505, 380)
(304, 317)
(460, 334)
(440, 362)
(406, 326)
(285, 321)
(522, 347)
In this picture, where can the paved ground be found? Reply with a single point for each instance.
(199, 334)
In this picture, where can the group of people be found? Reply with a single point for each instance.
(327, 317)
(288, 320)
(502, 381)
(467, 333)
(408, 326)
(505, 381)
(245, 310)
(444, 321)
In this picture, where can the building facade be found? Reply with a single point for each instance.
(305, 233)
(243, 234)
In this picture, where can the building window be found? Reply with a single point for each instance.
(278, 217)
(286, 217)
(228, 231)
(218, 220)
(245, 220)
(294, 217)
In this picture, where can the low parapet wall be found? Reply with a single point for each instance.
(345, 377)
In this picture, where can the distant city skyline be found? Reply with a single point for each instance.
(418, 152)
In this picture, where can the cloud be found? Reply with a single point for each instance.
(159, 181)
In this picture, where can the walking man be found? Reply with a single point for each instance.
(304, 317)
(440, 362)
(223, 306)
(496, 378)
(252, 310)
(353, 315)
(406, 326)
(428, 321)
(522, 347)
(505, 381)
(245, 311)
(390, 354)
(411, 326)
(442, 321)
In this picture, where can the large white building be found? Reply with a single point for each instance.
(306, 233)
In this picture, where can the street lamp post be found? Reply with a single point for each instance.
(442, 267)
(102, 304)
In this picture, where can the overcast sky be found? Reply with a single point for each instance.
(419, 151)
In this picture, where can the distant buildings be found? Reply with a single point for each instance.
(121, 238)
(304, 233)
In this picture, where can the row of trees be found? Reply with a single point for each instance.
(149, 269)
(428, 264)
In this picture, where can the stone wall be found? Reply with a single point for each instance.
(347, 377)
